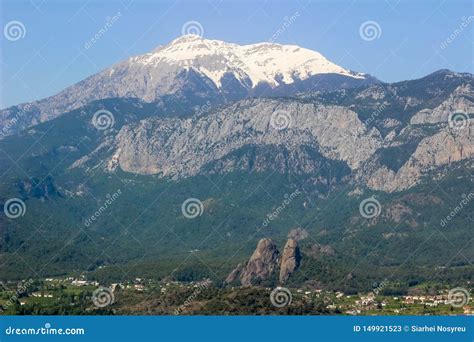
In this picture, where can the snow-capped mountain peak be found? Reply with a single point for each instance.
(198, 70)
(270, 63)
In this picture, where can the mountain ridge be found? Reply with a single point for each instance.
(191, 67)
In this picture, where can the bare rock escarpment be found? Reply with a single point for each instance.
(265, 262)
(290, 260)
(262, 263)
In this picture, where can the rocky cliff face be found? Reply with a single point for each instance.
(234, 275)
(290, 260)
(460, 101)
(262, 263)
(385, 137)
(247, 136)
(265, 261)
(443, 148)
(180, 148)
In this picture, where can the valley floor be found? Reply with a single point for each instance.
(77, 296)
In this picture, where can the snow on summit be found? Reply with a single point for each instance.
(263, 62)
(199, 70)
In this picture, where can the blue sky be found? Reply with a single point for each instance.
(52, 53)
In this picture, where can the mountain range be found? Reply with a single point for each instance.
(239, 128)
(197, 70)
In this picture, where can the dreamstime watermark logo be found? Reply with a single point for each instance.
(103, 119)
(375, 114)
(14, 208)
(102, 297)
(21, 288)
(281, 297)
(370, 208)
(14, 30)
(283, 205)
(205, 108)
(109, 22)
(192, 27)
(287, 22)
(457, 209)
(199, 288)
(458, 297)
(281, 120)
(370, 30)
(14, 120)
(458, 121)
(192, 208)
(107, 203)
(457, 31)
(379, 287)
(46, 330)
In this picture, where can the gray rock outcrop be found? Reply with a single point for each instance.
(168, 147)
(234, 275)
(445, 147)
(262, 263)
(298, 234)
(290, 260)
(460, 101)
(265, 261)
